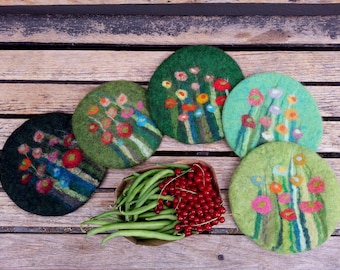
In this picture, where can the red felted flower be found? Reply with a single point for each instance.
(93, 127)
(189, 107)
(170, 103)
(248, 121)
(288, 214)
(44, 186)
(25, 178)
(221, 84)
(72, 158)
(68, 139)
(124, 130)
(106, 137)
(220, 100)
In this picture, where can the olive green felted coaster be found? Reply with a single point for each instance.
(113, 127)
(270, 107)
(43, 170)
(285, 197)
(187, 92)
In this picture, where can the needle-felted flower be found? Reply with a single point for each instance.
(262, 204)
(44, 171)
(201, 78)
(287, 193)
(255, 97)
(121, 134)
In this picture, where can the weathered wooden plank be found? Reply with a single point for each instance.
(170, 30)
(65, 65)
(329, 143)
(133, 2)
(44, 98)
(223, 166)
(11, 215)
(36, 251)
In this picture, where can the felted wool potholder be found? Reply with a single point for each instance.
(270, 107)
(187, 92)
(285, 197)
(43, 170)
(113, 127)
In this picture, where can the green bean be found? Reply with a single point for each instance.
(131, 177)
(162, 217)
(152, 213)
(140, 201)
(146, 234)
(160, 175)
(107, 214)
(142, 177)
(168, 227)
(94, 222)
(129, 225)
(140, 210)
(158, 196)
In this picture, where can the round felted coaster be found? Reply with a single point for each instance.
(113, 127)
(43, 170)
(285, 197)
(270, 107)
(187, 92)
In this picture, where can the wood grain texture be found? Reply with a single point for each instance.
(50, 97)
(210, 252)
(69, 65)
(170, 30)
(132, 2)
(49, 62)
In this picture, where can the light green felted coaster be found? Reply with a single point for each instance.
(44, 171)
(113, 127)
(270, 107)
(187, 92)
(285, 197)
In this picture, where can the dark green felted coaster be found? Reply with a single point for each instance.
(113, 127)
(285, 197)
(187, 92)
(43, 170)
(270, 107)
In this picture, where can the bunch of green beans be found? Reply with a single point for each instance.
(133, 214)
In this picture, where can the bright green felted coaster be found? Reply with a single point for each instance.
(270, 107)
(43, 170)
(187, 92)
(285, 197)
(113, 127)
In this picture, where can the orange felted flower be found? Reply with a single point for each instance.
(25, 164)
(281, 128)
(291, 114)
(93, 110)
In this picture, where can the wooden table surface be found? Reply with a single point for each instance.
(48, 62)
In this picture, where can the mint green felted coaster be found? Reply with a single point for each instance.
(187, 92)
(285, 197)
(270, 107)
(43, 170)
(113, 127)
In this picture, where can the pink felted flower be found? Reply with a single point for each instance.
(262, 204)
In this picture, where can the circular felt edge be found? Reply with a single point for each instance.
(235, 200)
(63, 119)
(182, 55)
(229, 130)
(78, 120)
